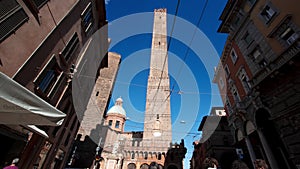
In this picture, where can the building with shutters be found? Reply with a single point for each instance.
(41, 44)
(258, 77)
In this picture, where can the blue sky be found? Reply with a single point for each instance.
(190, 71)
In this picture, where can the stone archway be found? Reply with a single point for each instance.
(131, 166)
(154, 165)
(242, 149)
(273, 146)
(249, 127)
(172, 167)
(239, 135)
(144, 166)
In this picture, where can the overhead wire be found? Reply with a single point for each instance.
(180, 69)
(184, 58)
(186, 53)
(188, 133)
(166, 56)
(180, 92)
(190, 43)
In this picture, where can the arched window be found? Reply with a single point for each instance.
(157, 125)
(117, 124)
(159, 156)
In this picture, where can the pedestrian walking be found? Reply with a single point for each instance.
(260, 164)
(239, 164)
(13, 164)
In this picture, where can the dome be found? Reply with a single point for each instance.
(117, 109)
(119, 100)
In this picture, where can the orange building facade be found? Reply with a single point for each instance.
(262, 102)
(40, 42)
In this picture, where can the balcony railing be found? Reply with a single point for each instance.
(283, 58)
(241, 107)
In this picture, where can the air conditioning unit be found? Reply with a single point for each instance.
(292, 38)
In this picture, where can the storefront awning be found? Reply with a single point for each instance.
(20, 106)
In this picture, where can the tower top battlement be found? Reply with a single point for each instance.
(160, 10)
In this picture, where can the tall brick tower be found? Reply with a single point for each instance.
(152, 147)
(157, 125)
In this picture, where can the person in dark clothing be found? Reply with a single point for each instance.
(210, 163)
(260, 164)
(238, 164)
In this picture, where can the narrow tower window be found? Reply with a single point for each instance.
(117, 124)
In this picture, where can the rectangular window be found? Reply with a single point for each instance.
(289, 35)
(263, 63)
(110, 123)
(268, 13)
(87, 19)
(256, 52)
(237, 21)
(48, 76)
(235, 94)
(247, 38)
(221, 83)
(40, 3)
(233, 56)
(12, 16)
(227, 72)
(245, 82)
(67, 140)
(56, 86)
(228, 106)
(71, 47)
(251, 1)
(117, 124)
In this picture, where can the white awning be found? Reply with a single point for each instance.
(38, 130)
(20, 106)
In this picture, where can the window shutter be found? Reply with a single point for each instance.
(12, 16)
(40, 3)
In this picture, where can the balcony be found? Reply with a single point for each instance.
(241, 107)
(283, 58)
(244, 104)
